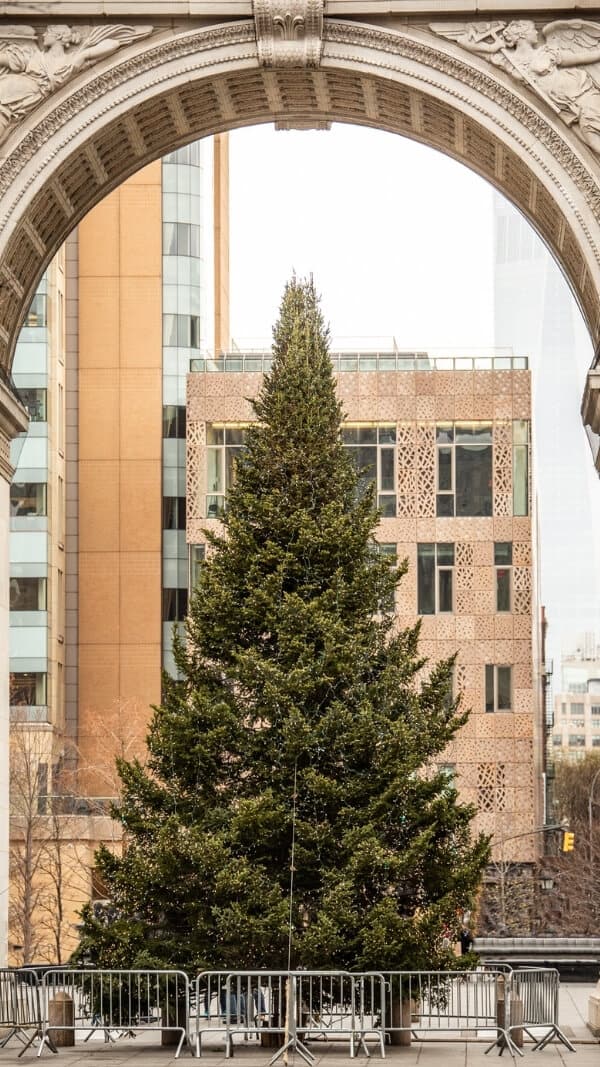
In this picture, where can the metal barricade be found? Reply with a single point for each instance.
(295, 1007)
(119, 1003)
(326, 1006)
(534, 1002)
(419, 1003)
(250, 1003)
(370, 1003)
(20, 1006)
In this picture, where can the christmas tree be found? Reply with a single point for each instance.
(291, 811)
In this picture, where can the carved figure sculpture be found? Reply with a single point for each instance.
(33, 66)
(559, 62)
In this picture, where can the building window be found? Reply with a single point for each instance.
(557, 740)
(503, 564)
(498, 687)
(578, 724)
(42, 788)
(173, 508)
(36, 316)
(435, 569)
(223, 446)
(27, 688)
(373, 451)
(576, 740)
(595, 711)
(35, 400)
(448, 772)
(181, 239)
(389, 549)
(189, 154)
(61, 419)
(520, 467)
(174, 421)
(28, 498)
(28, 594)
(99, 889)
(464, 469)
(491, 786)
(175, 604)
(577, 687)
(595, 742)
(197, 557)
(577, 709)
(181, 331)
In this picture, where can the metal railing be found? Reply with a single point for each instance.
(117, 1003)
(256, 362)
(439, 1002)
(534, 1003)
(284, 1010)
(293, 1006)
(21, 1015)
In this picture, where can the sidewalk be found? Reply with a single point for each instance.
(142, 1051)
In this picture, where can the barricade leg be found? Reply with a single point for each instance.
(555, 1031)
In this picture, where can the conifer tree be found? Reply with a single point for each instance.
(291, 809)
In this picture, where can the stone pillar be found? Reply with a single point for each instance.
(13, 420)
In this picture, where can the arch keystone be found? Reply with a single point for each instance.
(289, 33)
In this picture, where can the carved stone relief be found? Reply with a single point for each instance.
(34, 63)
(559, 62)
(289, 33)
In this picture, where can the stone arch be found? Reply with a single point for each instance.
(182, 83)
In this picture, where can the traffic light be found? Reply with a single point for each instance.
(568, 841)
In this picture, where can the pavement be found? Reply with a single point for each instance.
(143, 1051)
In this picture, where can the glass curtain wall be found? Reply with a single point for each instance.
(185, 175)
(29, 528)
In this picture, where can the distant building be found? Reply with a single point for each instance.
(99, 564)
(447, 443)
(535, 314)
(576, 726)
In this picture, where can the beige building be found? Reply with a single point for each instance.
(448, 444)
(99, 561)
(576, 725)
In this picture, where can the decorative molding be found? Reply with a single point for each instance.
(289, 33)
(96, 91)
(558, 62)
(472, 77)
(35, 62)
(408, 64)
(302, 124)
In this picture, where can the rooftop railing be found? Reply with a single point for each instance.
(260, 362)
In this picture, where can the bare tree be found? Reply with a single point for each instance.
(513, 900)
(29, 758)
(54, 829)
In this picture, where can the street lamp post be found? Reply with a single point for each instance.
(502, 868)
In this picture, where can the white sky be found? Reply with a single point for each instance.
(399, 239)
(348, 206)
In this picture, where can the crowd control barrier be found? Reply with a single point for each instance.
(534, 1004)
(421, 1003)
(118, 1003)
(287, 1009)
(283, 1010)
(20, 1007)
